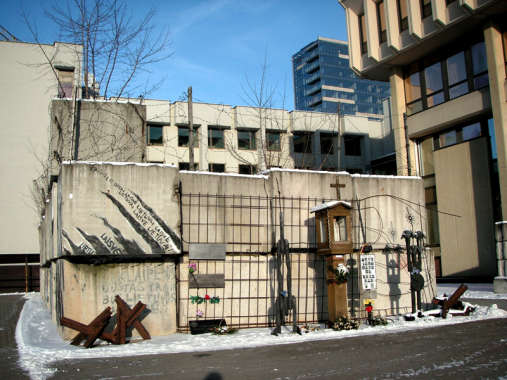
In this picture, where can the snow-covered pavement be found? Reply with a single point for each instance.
(39, 343)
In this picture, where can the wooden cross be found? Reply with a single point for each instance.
(337, 186)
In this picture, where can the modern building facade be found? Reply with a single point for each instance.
(28, 84)
(324, 81)
(446, 64)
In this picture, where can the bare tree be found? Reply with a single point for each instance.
(270, 124)
(116, 46)
(113, 48)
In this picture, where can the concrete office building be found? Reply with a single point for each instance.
(323, 81)
(28, 84)
(446, 64)
(248, 140)
(244, 140)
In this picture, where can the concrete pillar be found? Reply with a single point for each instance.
(354, 43)
(398, 108)
(414, 18)
(497, 90)
(392, 23)
(371, 22)
(439, 11)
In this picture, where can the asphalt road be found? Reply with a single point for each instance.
(469, 350)
(10, 307)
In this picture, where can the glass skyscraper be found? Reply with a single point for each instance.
(323, 80)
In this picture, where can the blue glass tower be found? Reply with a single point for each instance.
(323, 79)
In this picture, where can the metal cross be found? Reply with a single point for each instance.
(337, 186)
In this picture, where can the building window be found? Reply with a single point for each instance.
(434, 85)
(426, 8)
(186, 166)
(246, 140)
(154, 135)
(273, 141)
(326, 143)
(426, 157)
(430, 195)
(413, 93)
(402, 14)
(217, 168)
(480, 65)
(362, 34)
(352, 145)
(247, 169)
(184, 137)
(455, 75)
(303, 142)
(447, 2)
(215, 138)
(460, 134)
(65, 82)
(381, 21)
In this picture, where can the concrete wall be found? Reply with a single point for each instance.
(118, 210)
(28, 85)
(100, 208)
(125, 218)
(466, 218)
(104, 131)
(389, 205)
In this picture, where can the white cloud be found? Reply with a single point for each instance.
(190, 16)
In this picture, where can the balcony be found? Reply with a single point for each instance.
(312, 57)
(312, 67)
(315, 100)
(312, 79)
(313, 90)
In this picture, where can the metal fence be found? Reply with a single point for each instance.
(19, 273)
(249, 226)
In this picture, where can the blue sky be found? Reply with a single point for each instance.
(216, 45)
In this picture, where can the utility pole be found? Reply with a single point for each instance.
(339, 147)
(190, 131)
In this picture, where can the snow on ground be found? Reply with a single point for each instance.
(475, 291)
(39, 343)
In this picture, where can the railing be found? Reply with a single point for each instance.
(19, 273)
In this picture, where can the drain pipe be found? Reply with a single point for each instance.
(407, 144)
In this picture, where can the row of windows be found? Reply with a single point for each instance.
(426, 11)
(246, 140)
(453, 136)
(429, 84)
(303, 143)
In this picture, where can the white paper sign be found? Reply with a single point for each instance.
(368, 272)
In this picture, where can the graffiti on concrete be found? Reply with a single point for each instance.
(138, 214)
(151, 283)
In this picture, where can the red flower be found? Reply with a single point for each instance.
(207, 297)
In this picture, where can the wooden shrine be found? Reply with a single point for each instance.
(333, 225)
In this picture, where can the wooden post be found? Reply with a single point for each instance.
(336, 293)
(339, 145)
(190, 131)
(26, 274)
(337, 185)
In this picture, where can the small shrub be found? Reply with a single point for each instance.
(344, 323)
